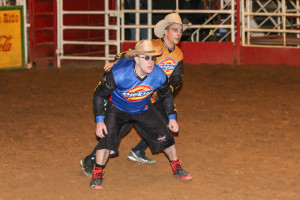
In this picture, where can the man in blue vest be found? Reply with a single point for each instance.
(129, 86)
(169, 31)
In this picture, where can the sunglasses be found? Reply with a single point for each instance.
(153, 58)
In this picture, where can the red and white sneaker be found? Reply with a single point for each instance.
(178, 172)
(97, 179)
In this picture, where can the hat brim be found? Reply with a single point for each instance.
(162, 25)
(131, 54)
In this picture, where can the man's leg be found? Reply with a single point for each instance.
(114, 119)
(138, 153)
(141, 146)
(143, 34)
(175, 163)
(102, 156)
(132, 32)
(88, 162)
(153, 129)
(171, 153)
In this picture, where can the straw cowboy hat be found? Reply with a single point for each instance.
(172, 18)
(143, 47)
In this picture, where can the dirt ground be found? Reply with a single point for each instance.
(239, 137)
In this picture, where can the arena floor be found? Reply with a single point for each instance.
(239, 137)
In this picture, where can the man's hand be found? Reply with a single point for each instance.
(173, 125)
(108, 66)
(100, 128)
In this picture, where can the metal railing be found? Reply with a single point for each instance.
(259, 18)
(61, 41)
(217, 20)
(278, 23)
(122, 26)
(218, 25)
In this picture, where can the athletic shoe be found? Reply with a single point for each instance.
(178, 172)
(97, 179)
(140, 156)
(87, 165)
(113, 153)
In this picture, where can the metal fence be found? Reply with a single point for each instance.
(61, 27)
(219, 24)
(271, 23)
(211, 21)
(263, 23)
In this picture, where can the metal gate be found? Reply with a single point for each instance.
(277, 23)
(221, 24)
(219, 19)
(64, 36)
(121, 26)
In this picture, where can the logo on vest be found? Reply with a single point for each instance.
(138, 93)
(168, 65)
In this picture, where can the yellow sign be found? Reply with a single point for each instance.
(11, 51)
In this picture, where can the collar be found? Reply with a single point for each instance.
(170, 51)
(141, 79)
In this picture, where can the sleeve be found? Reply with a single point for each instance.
(102, 92)
(176, 77)
(166, 96)
(122, 54)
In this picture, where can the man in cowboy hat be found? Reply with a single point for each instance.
(130, 85)
(169, 31)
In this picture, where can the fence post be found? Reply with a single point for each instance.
(238, 34)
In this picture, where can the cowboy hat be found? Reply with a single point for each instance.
(143, 47)
(172, 18)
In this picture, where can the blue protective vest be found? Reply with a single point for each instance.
(132, 94)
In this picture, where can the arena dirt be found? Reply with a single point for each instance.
(239, 137)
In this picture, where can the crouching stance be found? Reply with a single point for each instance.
(129, 86)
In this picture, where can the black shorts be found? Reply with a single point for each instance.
(161, 110)
(149, 123)
(158, 107)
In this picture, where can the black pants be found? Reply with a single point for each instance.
(150, 124)
(142, 145)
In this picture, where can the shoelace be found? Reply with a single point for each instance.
(99, 175)
(177, 166)
(177, 169)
